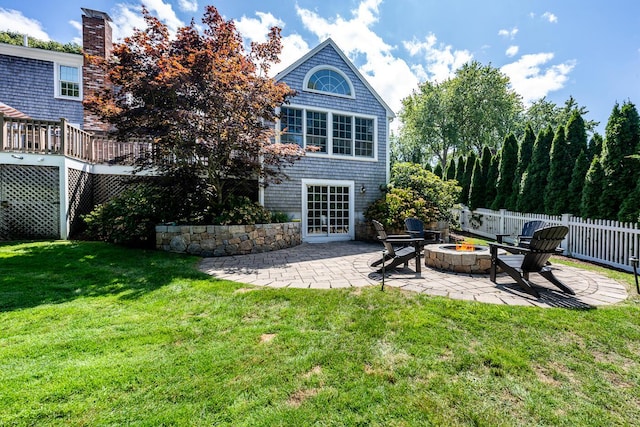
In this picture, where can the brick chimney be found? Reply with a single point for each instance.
(96, 41)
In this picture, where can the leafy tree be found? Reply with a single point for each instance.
(507, 170)
(205, 102)
(620, 171)
(475, 108)
(485, 107)
(560, 167)
(17, 39)
(592, 191)
(578, 175)
(427, 129)
(543, 113)
(534, 180)
(525, 151)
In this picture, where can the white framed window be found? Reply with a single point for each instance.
(328, 80)
(68, 81)
(330, 133)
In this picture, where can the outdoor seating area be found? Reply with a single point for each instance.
(348, 265)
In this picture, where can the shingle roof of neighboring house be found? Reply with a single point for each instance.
(317, 49)
(12, 112)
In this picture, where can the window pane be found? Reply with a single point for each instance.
(317, 130)
(69, 81)
(342, 134)
(291, 126)
(364, 137)
(329, 81)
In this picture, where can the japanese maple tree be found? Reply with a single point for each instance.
(206, 102)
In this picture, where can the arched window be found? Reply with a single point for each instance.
(329, 80)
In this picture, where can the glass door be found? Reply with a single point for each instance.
(328, 210)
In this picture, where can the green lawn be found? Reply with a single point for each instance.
(93, 334)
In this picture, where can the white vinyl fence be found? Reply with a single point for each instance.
(607, 242)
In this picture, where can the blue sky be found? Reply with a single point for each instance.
(585, 48)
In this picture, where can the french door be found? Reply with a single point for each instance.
(328, 210)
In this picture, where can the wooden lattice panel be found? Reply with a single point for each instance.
(29, 202)
(105, 187)
(80, 198)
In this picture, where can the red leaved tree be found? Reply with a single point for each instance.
(205, 101)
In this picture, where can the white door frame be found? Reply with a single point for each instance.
(329, 237)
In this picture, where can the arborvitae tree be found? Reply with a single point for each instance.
(438, 170)
(507, 170)
(560, 167)
(450, 172)
(592, 191)
(460, 166)
(595, 147)
(525, 152)
(578, 175)
(534, 180)
(576, 136)
(492, 180)
(630, 209)
(478, 188)
(469, 164)
(620, 171)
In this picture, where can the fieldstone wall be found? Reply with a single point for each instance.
(222, 240)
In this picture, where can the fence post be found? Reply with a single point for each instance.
(503, 213)
(567, 240)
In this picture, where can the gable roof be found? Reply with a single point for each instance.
(12, 112)
(330, 42)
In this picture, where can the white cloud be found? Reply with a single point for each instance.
(511, 34)
(127, 17)
(550, 17)
(512, 51)
(188, 5)
(530, 80)
(390, 76)
(15, 21)
(441, 60)
(78, 26)
(257, 29)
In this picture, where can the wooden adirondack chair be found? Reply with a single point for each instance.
(533, 259)
(523, 239)
(415, 228)
(411, 248)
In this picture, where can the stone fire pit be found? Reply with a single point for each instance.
(474, 259)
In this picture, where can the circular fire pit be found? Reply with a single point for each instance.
(466, 259)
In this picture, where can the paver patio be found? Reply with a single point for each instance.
(346, 264)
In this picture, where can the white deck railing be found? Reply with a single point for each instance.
(603, 241)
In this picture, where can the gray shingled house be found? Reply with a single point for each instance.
(337, 111)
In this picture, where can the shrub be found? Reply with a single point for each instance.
(128, 219)
(398, 204)
(241, 210)
(279, 217)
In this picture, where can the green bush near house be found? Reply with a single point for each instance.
(414, 192)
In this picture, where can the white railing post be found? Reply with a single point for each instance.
(503, 213)
(566, 243)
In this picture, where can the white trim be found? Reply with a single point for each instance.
(359, 75)
(56, 81)
(329, 237)
(329, 154)
(74, 59)
(312, 71)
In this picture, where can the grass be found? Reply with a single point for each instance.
(93, 334)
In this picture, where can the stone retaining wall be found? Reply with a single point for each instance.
(222, 240)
